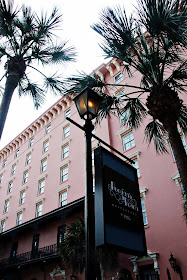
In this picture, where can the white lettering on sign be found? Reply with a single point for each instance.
(122, 197)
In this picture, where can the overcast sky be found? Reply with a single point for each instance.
(77, 18)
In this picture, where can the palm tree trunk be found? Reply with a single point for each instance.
(180, 155)
(11, 84)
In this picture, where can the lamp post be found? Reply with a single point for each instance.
(87, 103)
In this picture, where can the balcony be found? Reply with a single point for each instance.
(44, 253)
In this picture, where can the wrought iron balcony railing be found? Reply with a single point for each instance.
(42, 253)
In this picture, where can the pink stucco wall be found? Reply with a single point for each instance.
(166, 229)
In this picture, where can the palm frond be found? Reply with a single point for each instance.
(156, 132)
(55, 84)
(135, 111)
(167, 17)
(62, 54)
(77, 83)
(28, 88)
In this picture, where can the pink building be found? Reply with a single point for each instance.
(42, 182)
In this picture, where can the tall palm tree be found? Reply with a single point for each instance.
(27, 38)
(72, 251)
(154, 44)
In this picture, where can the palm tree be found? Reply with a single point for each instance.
(154, 44)
(72, 251)
(26, 39)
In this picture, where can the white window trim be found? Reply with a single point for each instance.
(65, 142)
(44, 156)
(143, 192)
(29, 151)
(65, 188)
(20, 210)
(8, 197)
(124, 131)
(4, 218)
(64, 163)
(65, 123)
(40, 200)
(26, 169)
(135, 155)
(176, 178)
(24, 188)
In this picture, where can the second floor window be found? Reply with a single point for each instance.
(64, 174)
(46, 146)
(136, 165)
(48, 128)
(67, 113)
(39, 209)
(128, 141)
(31, 142)
(4, 163)
(118, 78)
(3, 223)
(144, 212)
(25, 177)
(10, 185)
(66, 131)
(41, 186)
(6, 206)
(1, 178)
(17, 153)
(28, 158)
(22, 197)
(65, 151)
(13, 169)
(63, 198)
(19, 218)
(43, 165)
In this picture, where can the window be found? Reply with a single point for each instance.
(66, 131)
(46, 146)
(135, 164)
(44, 165)
(31, 142)
(19, 218)
(25, 177)
(65, 151)
(3, 223)
(39, 209)
(62, 198)
(67, 113)
(6, 206)
(128, 141)
(22, 197)
(144, 214)
(1, 178)
(41, 186)
(64, 174)
(17, 153)
(118, 78)
(10, 185)
(123, 117)
(13, 169)
(28, 158)
(4, 163)
(48, 128)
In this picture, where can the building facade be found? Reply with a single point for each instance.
(42, 182)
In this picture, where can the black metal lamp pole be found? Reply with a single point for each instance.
(87, 103)
(89, 213)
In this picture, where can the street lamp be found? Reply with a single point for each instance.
(87, 103)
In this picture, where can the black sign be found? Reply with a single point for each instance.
(118, 212)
